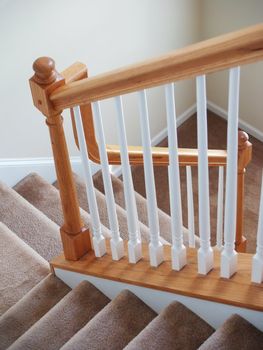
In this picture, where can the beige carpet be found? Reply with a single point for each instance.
(235, 334)
(217, 140)
(65, 319)
(28, 310)
(21, 274)
(175, 328)
(115, 326)
(30, 224)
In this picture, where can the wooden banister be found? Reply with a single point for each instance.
(244, 158)
(225, 51)
(75, 238)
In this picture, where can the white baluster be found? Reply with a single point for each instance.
(155, 246)
(220, 205)
(178, 248)
(98, 239)
(229, 255)
(205, 252)
(134, 244)
(190, 207)
(257, 265)
(116, 242)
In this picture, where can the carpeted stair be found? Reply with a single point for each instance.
(30, 224)
(27, 311)
(19, 274)
(172, 329)
(39, 311)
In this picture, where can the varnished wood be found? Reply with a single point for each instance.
(75, 238)
(238, 291)
(229, 50)
(244, 158)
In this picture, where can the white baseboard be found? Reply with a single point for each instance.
(13, 170)
(116, 170)
(251, 130)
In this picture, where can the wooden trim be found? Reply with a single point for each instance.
(225, 51)
(187, 156)
(238, 291)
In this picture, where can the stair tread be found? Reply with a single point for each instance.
(236, 333)
(46, 198)
(30, 224)
(68, 316)
(28, 310)
(21, 268)
(172, 329)
(114, 327)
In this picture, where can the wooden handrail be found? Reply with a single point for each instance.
(225, 51)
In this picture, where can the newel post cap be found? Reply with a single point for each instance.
(243, 139)
(45, 72)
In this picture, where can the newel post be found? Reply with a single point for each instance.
(244, 157)
(75, 238)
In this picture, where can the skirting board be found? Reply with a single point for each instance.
(13, 170)
(251, 130)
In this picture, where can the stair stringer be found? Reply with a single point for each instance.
(213, 313)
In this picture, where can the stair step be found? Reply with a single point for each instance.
(115, 326)
(236, 333)
(46, 198)
(103, 213)
(30, 224)
(28, 310)
(65, 319)
(173, 329)
(21, 268)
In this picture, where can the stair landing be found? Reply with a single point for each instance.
(237, 291)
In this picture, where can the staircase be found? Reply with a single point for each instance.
(39, 311)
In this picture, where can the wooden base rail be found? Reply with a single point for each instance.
(238, 291)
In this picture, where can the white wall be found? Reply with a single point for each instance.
(103, 34)
(222, 16)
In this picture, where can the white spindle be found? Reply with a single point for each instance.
(190, 207)
(220, 205)
(229, 255)
(178, 248)
(155, 246)
(134, 244)
(116, 242)
(98, 239)
(257, 265)
(205, 252)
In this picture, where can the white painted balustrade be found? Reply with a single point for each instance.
(190, 207)
(257, 264)
(116, 242)
(134, 243)
(178, 248)
(205, 252)
(220, 208)
(229, 255)
(155, 246)
(98, 239)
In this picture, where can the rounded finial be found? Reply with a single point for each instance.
(45, 72)
(242, 139)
